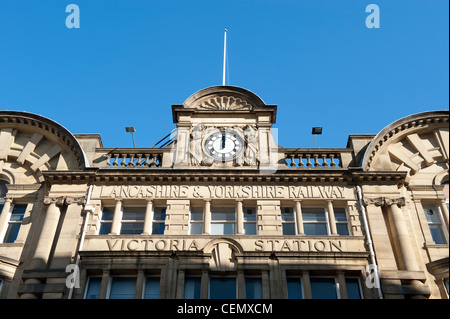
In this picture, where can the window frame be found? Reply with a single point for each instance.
(88, 282)
(294, 221)
(4, 233)
(106, 221)
(223, 277)
(442, 230)
(341, 222)
(336, 285)
(131, 221)
(145, 285)
(233, 222)
(326, 222)
(110, 283)
(158, 221)
(196, 222)
(250, 222)
(302, 288)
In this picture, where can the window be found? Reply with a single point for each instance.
(196, 222)
(353, 288)
(315, 221)
(92, 288)
(340, 216)
(122, 288)
(323, 288)
(3, 191)
(151, 288)
(288, 220)
(15, 221)
(250, 220)
(159, 218)
(192, 287)
(253, 288)
(132, 220)
(294, 288)
(106, 221)
(223, 221)
(222, 288)
(434, 223)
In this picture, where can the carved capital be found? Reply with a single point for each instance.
(395, 201)
(58, 201)
(75, 200)
(379, 201)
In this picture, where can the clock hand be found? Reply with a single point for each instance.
(223, 140)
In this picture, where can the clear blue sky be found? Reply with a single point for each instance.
(131, 60)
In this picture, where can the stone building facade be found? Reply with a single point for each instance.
(223, 211)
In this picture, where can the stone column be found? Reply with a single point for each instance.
(239, 217)
(306, 285)
(240, 285)
(180, 284)
(4, 218)
(115, 227)
(139, 284)
(400, 233)
(104, 284)
(148, 218)
(207, 217)
(299, 217)
(342, 284)
(402, 238)
(205, 285)
(265, 284)
(47, 233)
(331, 217)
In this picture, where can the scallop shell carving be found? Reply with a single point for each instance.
(225, 103)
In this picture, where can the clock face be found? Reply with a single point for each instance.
(224, 146)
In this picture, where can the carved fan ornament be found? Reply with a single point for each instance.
(225, 103)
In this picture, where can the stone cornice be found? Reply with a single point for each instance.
(158, 175)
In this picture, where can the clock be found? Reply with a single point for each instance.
(224, 145)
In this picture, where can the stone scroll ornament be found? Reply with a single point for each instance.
(68, 200)
(225, 103)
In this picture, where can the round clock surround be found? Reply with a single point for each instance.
(224, 145)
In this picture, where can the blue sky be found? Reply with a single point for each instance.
(131, 60)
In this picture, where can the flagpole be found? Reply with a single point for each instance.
(224, 55)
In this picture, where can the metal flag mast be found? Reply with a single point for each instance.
(224, 55)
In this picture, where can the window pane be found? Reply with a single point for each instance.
(108, 213)
(151, 289)
(436, 234)
(432, 215)
(223, 216)
(122, 288)
(93, 288)
(342, 229)
(192, 287)
(1, 208)
(294, 288)
(249, 214)
(133, 213)
(287, 214)
(223, 229)
(315, 229)
(353, 288)
(196, 229)
(131, 228)
(323, 288)
(12, 232)
(222, 288)
(197, 216)
(314, 216)
(250, 228)
(340, 217)
(159, 213)
(289, 229)
(158, 229)
(105, 228)
(18, 212)
(253, 289)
